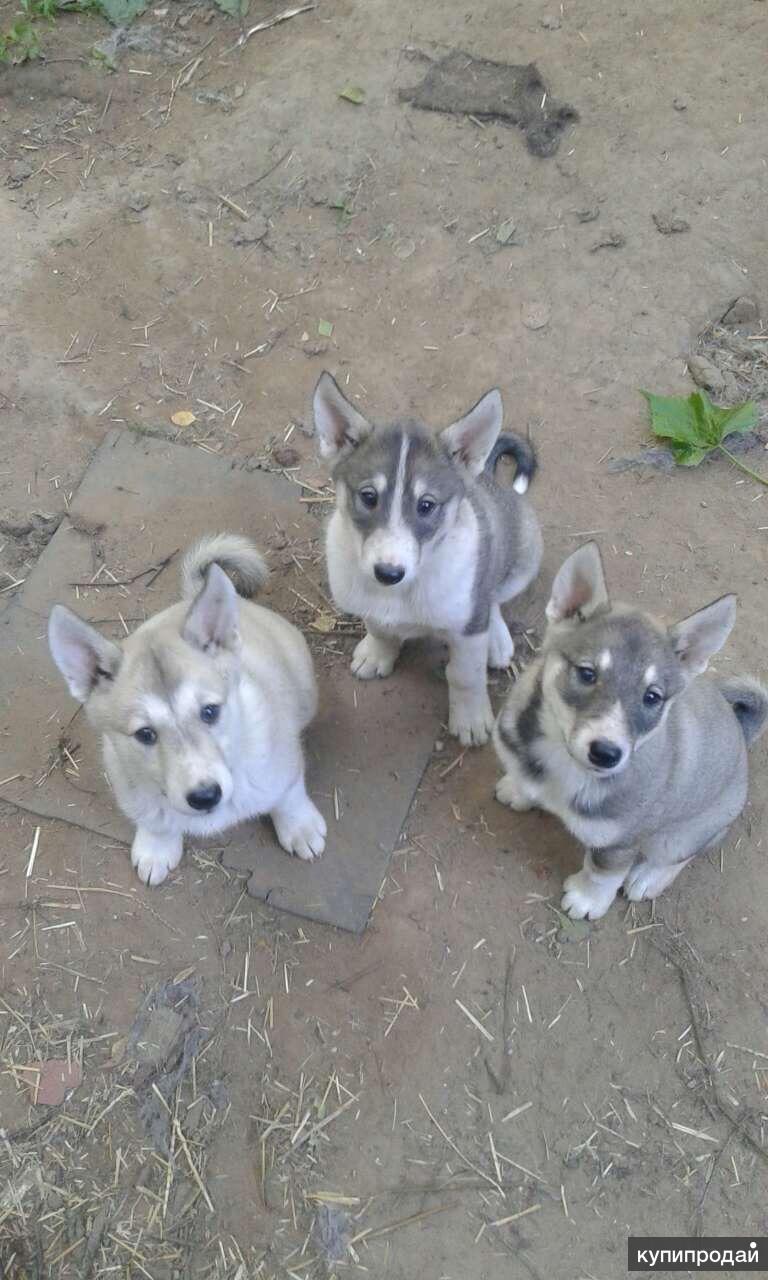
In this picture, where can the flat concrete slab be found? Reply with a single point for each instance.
(141, 499)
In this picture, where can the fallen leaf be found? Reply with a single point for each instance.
(574, 931)
(536, 315)
(325, 328)
(121, 12)
(353, 93)
(235, 8)
(571, 930)
(118, 1049)
(56, 1079)
(324, 623)
(183, 418)
(693, 426)
(404, 248)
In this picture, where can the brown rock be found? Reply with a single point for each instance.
(706, 374)
(670, 223)
(743, 310)
(286, 456)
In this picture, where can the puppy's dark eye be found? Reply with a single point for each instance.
(146, 736)
(652, 697)
(587, 675)
(369, 497)
(210, 713)
(425, 506)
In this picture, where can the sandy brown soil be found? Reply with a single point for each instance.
(631, 1061)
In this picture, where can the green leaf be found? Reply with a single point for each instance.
(687, 455)
(571, 930)
(673, 418)
(20, 43)
(693, 426)
(121, 12)
(742, 417)
(235, 8)
(353, 93)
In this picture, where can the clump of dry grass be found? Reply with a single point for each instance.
(86, 1192)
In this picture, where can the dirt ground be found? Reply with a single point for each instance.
(345, 1106)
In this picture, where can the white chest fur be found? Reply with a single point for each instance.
(437, 599)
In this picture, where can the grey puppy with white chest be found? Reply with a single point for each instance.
(424, 541)
(613, 730)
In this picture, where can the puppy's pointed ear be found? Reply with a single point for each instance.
(579, 586)
(702, 634)
(213, 621)
(338, 425)
(84, 657)
(470, 440)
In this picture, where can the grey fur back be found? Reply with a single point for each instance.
(750, 704)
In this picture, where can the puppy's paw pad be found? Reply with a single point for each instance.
(473, 733)
(303, 835)
(373, 659)
(509, 792)
(154, 860)
(647, 882)
(152, 870)
(583, 899)
(473, 727)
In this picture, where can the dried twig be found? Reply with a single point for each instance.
(270, 22)
(475, 1169)
(500, 1082)
(691, 989)
(154, 569)
(371, 1232)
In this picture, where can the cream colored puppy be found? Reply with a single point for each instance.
(200, 710)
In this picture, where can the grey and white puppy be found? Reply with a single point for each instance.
(200, 710)
(423, 540)
(611, 730)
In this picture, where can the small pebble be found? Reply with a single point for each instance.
(670, 223)
(286, 456)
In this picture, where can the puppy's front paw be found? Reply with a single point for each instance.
(645, 881)
(374, 657)
(584, 896)
(302, 831)
(471, 719)
(510, 792)
(154, 857)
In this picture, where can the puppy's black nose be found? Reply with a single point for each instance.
(204, 798)
(389, 574)
(606, 755)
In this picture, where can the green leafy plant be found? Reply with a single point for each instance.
(344, 210)
(694, 427)
(21, 42)
(235, 8)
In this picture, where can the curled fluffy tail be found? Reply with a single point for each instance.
(236, 555)
(523, 453)
(750, 704)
